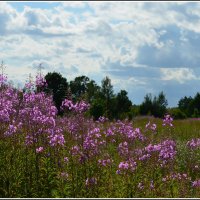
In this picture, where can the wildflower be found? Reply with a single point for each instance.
(11, 130)
(194, 143)
(91, 181)
(75, 150)
(105, 162)
(79, 107)
(40, 81)
(39, 149)
(196, 183)
(102, 119)
(152, 184)
(123, 149)
(167, 120)
(66, 159)
(145, 157)
(151, 127)
(140, 186)
(125, 166)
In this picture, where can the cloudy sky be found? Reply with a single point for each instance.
(144, 47)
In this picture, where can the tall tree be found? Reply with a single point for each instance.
(97, 108)
(123, 103)
(79, 86)
(185, 105)
(58, 86)
(107, 94)
(156, 106)
(196, 104)
(146, 106)
(159, 105)
(93, 91)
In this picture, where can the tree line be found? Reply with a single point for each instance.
(104, 102)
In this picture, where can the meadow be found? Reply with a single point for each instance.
(43, 155)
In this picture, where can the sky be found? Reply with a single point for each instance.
(143, 47)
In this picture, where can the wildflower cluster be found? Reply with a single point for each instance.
(194, 143)
(165, 151)
(78, 107)
(126, 166)
(176, 176)
(105, 162)
(196, 183)
(167, 121)
(151, 126)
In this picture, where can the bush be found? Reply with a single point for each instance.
(177, 113)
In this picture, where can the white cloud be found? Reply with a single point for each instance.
(87, 36)
(181, 74)
(73, 4)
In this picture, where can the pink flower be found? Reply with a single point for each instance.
(66, 159)
(39, 149)
(167, 120)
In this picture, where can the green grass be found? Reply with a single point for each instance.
(27, 174)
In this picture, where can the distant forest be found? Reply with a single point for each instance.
(104, 102)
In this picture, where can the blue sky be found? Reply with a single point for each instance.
(144, 47)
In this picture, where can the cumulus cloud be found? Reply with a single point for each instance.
(142, 46)
(181, 75)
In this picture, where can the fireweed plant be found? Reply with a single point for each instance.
(43, 155)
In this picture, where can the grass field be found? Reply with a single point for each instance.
(101, 159)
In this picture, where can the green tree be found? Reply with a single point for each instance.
(79, 87)
(146, 106)
(196, 105)
(97, 108)
(123, 103)
(107, 94)
(93, 91)
(185, 104)
(176, 113)
(159, 106)
(156, 106)
(58, 86)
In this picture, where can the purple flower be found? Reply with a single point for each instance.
(79, 107)
(152, 184)
(40, 81)
(123, 149)
(102, 119)
(151, 127)
(11, 130)
(105, 162)
(196, 183)
(91, 181)
(39, 149)
(125, 166)
(75, 150)
(194, 143)
(167, 120)
(66, 159)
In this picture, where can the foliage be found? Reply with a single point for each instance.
(57, 86)
(156, 106)
(177, 113)
(190, 106)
